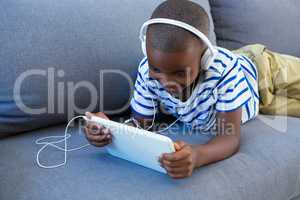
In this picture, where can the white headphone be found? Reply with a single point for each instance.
(209, 55)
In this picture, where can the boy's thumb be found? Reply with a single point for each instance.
(88, 114)
(177, 147)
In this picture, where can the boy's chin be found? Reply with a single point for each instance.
(175, 91)
(176, 94)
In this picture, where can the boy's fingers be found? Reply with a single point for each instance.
(94, 137)
(94, 128)
(178, 170)
(91, 125)
(176, 156)
(176, 164)
(98, 114)
(99, 138)
(106, 131)
(179, 145)
(109, 136)
(102, 115)
(178, 176)
(101, 144)
(88, 115)
(175, 175)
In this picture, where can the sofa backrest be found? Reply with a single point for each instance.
(51, 54)
(274, 23)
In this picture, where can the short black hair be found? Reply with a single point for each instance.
(169, 38)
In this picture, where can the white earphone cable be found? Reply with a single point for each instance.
(64, 139)
(43, 141)
(66, 135)
(154, 115)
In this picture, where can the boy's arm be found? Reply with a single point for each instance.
(187, 157)
(226, 142)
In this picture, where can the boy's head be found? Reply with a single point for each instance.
(174, 54)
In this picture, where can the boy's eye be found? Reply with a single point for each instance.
(181, 73)
(154, 69)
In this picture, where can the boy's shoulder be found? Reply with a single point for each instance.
(143, 67)
(224, 61)
(225, 54)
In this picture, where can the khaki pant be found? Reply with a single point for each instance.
(278, 80)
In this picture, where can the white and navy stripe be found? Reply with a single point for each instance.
(229, 83)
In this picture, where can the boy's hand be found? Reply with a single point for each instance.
(96, 134)
(181, 163)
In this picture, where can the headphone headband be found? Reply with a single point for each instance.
(178, 24)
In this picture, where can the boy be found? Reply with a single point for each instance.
(172, 75)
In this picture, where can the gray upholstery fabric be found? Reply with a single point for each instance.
(274, 23)
(296, 198)
(78, 37)
(266, 167)
(82, 37)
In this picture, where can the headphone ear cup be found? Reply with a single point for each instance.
(143, 42)
(205, 60)
(208, 58)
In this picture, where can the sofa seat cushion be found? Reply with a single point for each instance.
(266, 167)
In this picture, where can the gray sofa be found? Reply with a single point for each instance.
(81, 37)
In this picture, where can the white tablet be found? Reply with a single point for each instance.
(136, 145)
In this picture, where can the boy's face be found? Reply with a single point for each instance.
(177, 70)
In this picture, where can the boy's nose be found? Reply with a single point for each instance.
(167, 82)
(163, 79)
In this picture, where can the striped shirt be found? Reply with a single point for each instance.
(228, 84)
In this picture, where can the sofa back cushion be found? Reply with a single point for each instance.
(274, 23)
(60, 58)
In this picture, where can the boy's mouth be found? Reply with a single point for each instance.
(174, 88)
